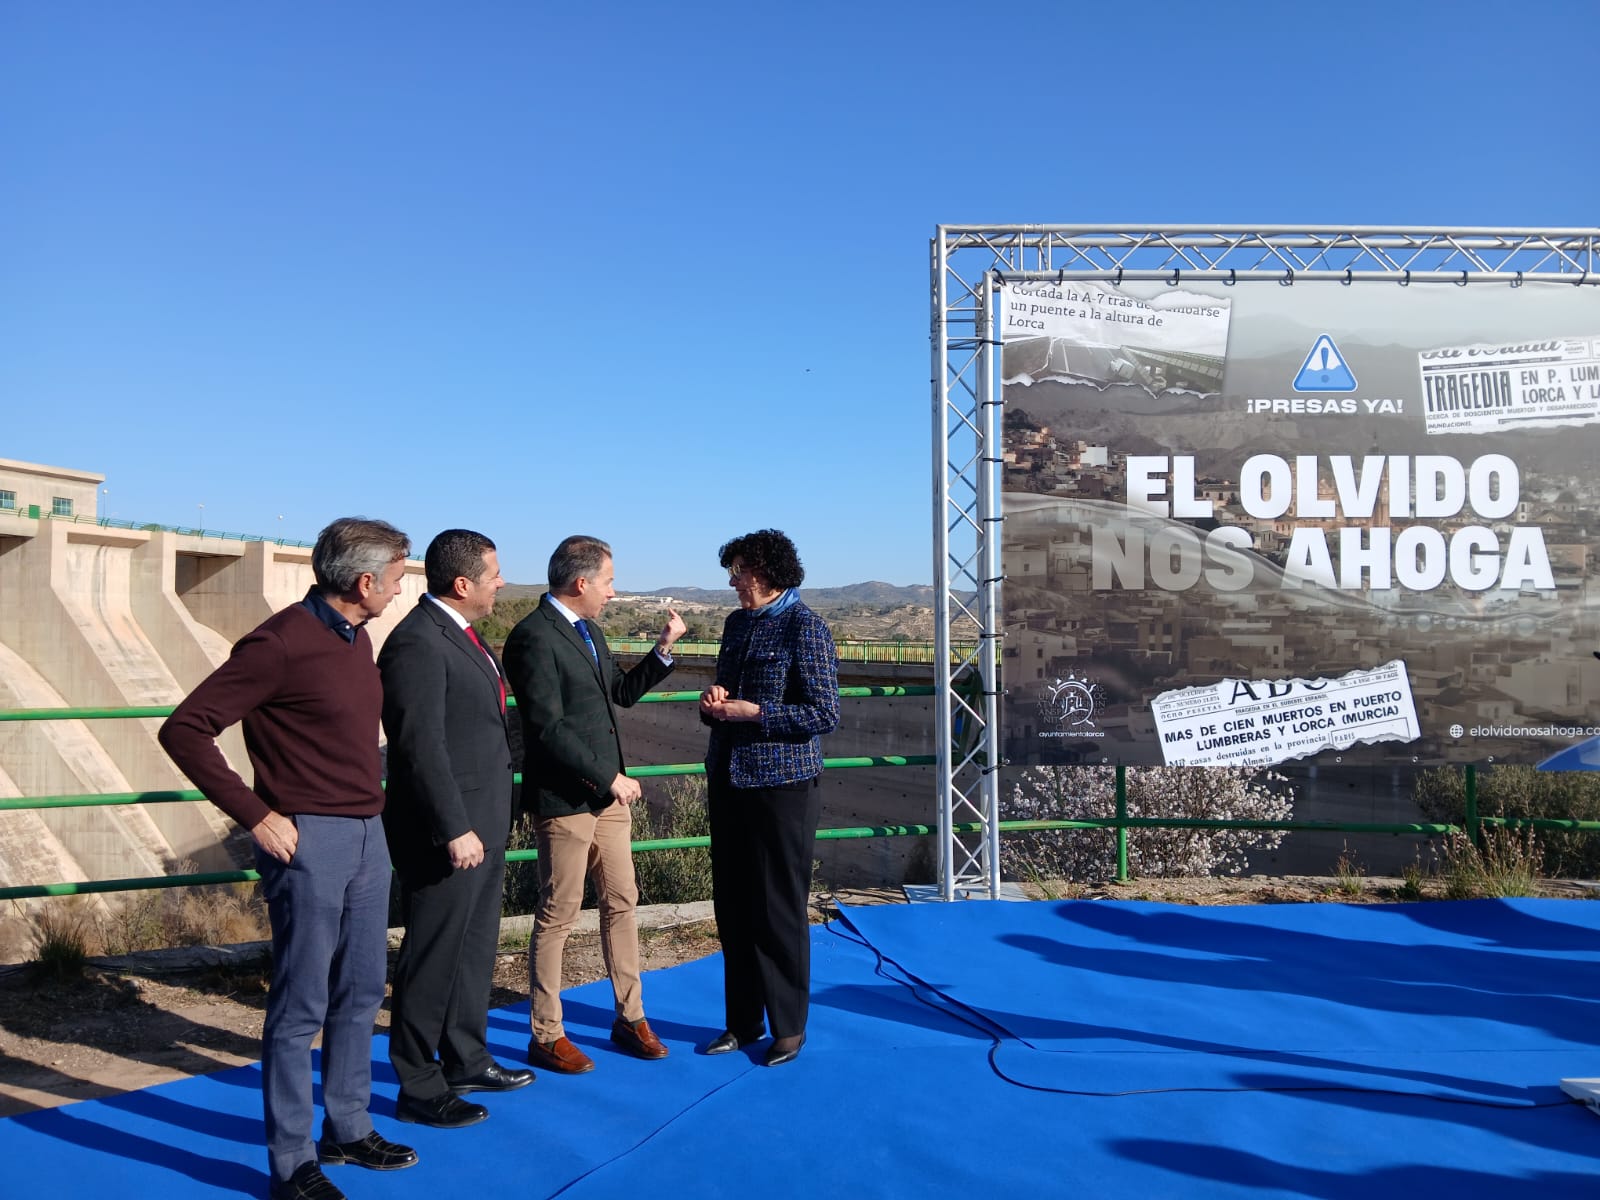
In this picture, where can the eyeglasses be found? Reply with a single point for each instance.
(736, 570)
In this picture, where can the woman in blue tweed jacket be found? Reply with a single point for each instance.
(776, 693)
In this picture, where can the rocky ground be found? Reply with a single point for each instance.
(126, 1024)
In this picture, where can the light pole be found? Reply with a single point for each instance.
(202, 509)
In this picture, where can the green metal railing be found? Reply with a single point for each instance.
(190, 795)
(1119, 824)
(102, 713)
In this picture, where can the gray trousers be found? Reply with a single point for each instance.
(329, 908)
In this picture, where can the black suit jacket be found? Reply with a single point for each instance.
(567, 704)
(449, 753)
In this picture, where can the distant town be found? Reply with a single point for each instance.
(1196, 607)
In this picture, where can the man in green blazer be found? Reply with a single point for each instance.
(568, 689)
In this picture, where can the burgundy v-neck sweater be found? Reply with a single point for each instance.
(310, 702)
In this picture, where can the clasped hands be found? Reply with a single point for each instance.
(716, 704)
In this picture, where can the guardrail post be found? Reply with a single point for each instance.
(1474, 829)
(1122, 823)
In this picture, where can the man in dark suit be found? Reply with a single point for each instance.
(567, 689)
(447, 820)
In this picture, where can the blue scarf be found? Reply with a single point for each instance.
(788, 600)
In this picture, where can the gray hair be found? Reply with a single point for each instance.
(352, 547)
(578, 557)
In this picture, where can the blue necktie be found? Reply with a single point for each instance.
(583, 628)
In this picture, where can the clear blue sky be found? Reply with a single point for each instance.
(658, 272)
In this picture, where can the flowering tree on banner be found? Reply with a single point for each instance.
(1082, 793)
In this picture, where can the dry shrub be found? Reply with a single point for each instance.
(1349, 876)
(63, 938)
(213, 915)
(1506, 863)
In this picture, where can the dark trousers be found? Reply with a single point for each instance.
(329, 908)
(761, 845)
(445, 971)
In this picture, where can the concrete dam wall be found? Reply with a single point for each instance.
(100, 617)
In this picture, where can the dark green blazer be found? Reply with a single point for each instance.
(567, 704)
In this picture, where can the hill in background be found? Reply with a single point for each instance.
(873, 592)
(872, 611)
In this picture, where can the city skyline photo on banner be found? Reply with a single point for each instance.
(656, 273)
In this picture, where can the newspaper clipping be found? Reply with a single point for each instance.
(1245, 723)
(1532, 384)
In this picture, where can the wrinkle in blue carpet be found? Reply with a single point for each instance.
(1275, 1051)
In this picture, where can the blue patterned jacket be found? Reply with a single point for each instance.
(786, 663)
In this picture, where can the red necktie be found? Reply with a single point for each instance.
(499, 678)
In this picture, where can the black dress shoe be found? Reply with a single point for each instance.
(785, 1049)
(307, 1183)
(493, 1078)
(373, 1152)
(726, 1042)
(448, 1111)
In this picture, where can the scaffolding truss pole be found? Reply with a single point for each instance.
(968, 263)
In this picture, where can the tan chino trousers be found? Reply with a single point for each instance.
(598, 845)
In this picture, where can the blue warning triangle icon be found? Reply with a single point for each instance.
(1324, 369)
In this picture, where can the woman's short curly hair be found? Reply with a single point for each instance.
(768, 552)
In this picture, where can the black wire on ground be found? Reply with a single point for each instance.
(998, 1035)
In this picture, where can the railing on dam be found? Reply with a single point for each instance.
(34, 512)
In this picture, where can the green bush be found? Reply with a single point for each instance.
(678, 810)
(674, 876)
(1516, 791)
(521, 894)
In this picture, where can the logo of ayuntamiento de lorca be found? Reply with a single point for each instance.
(1068, 705)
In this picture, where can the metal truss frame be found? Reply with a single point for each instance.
(968, 263)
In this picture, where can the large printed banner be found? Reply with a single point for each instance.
(1251, 524)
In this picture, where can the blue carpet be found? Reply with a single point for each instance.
(1275, 1051)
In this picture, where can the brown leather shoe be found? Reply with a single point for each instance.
(560, 1056)
(637, 1039)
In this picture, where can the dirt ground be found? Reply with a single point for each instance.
(129, 1024)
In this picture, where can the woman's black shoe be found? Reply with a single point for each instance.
(726, 1042)
(785, 1049)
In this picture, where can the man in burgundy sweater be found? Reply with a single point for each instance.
(307, 689)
